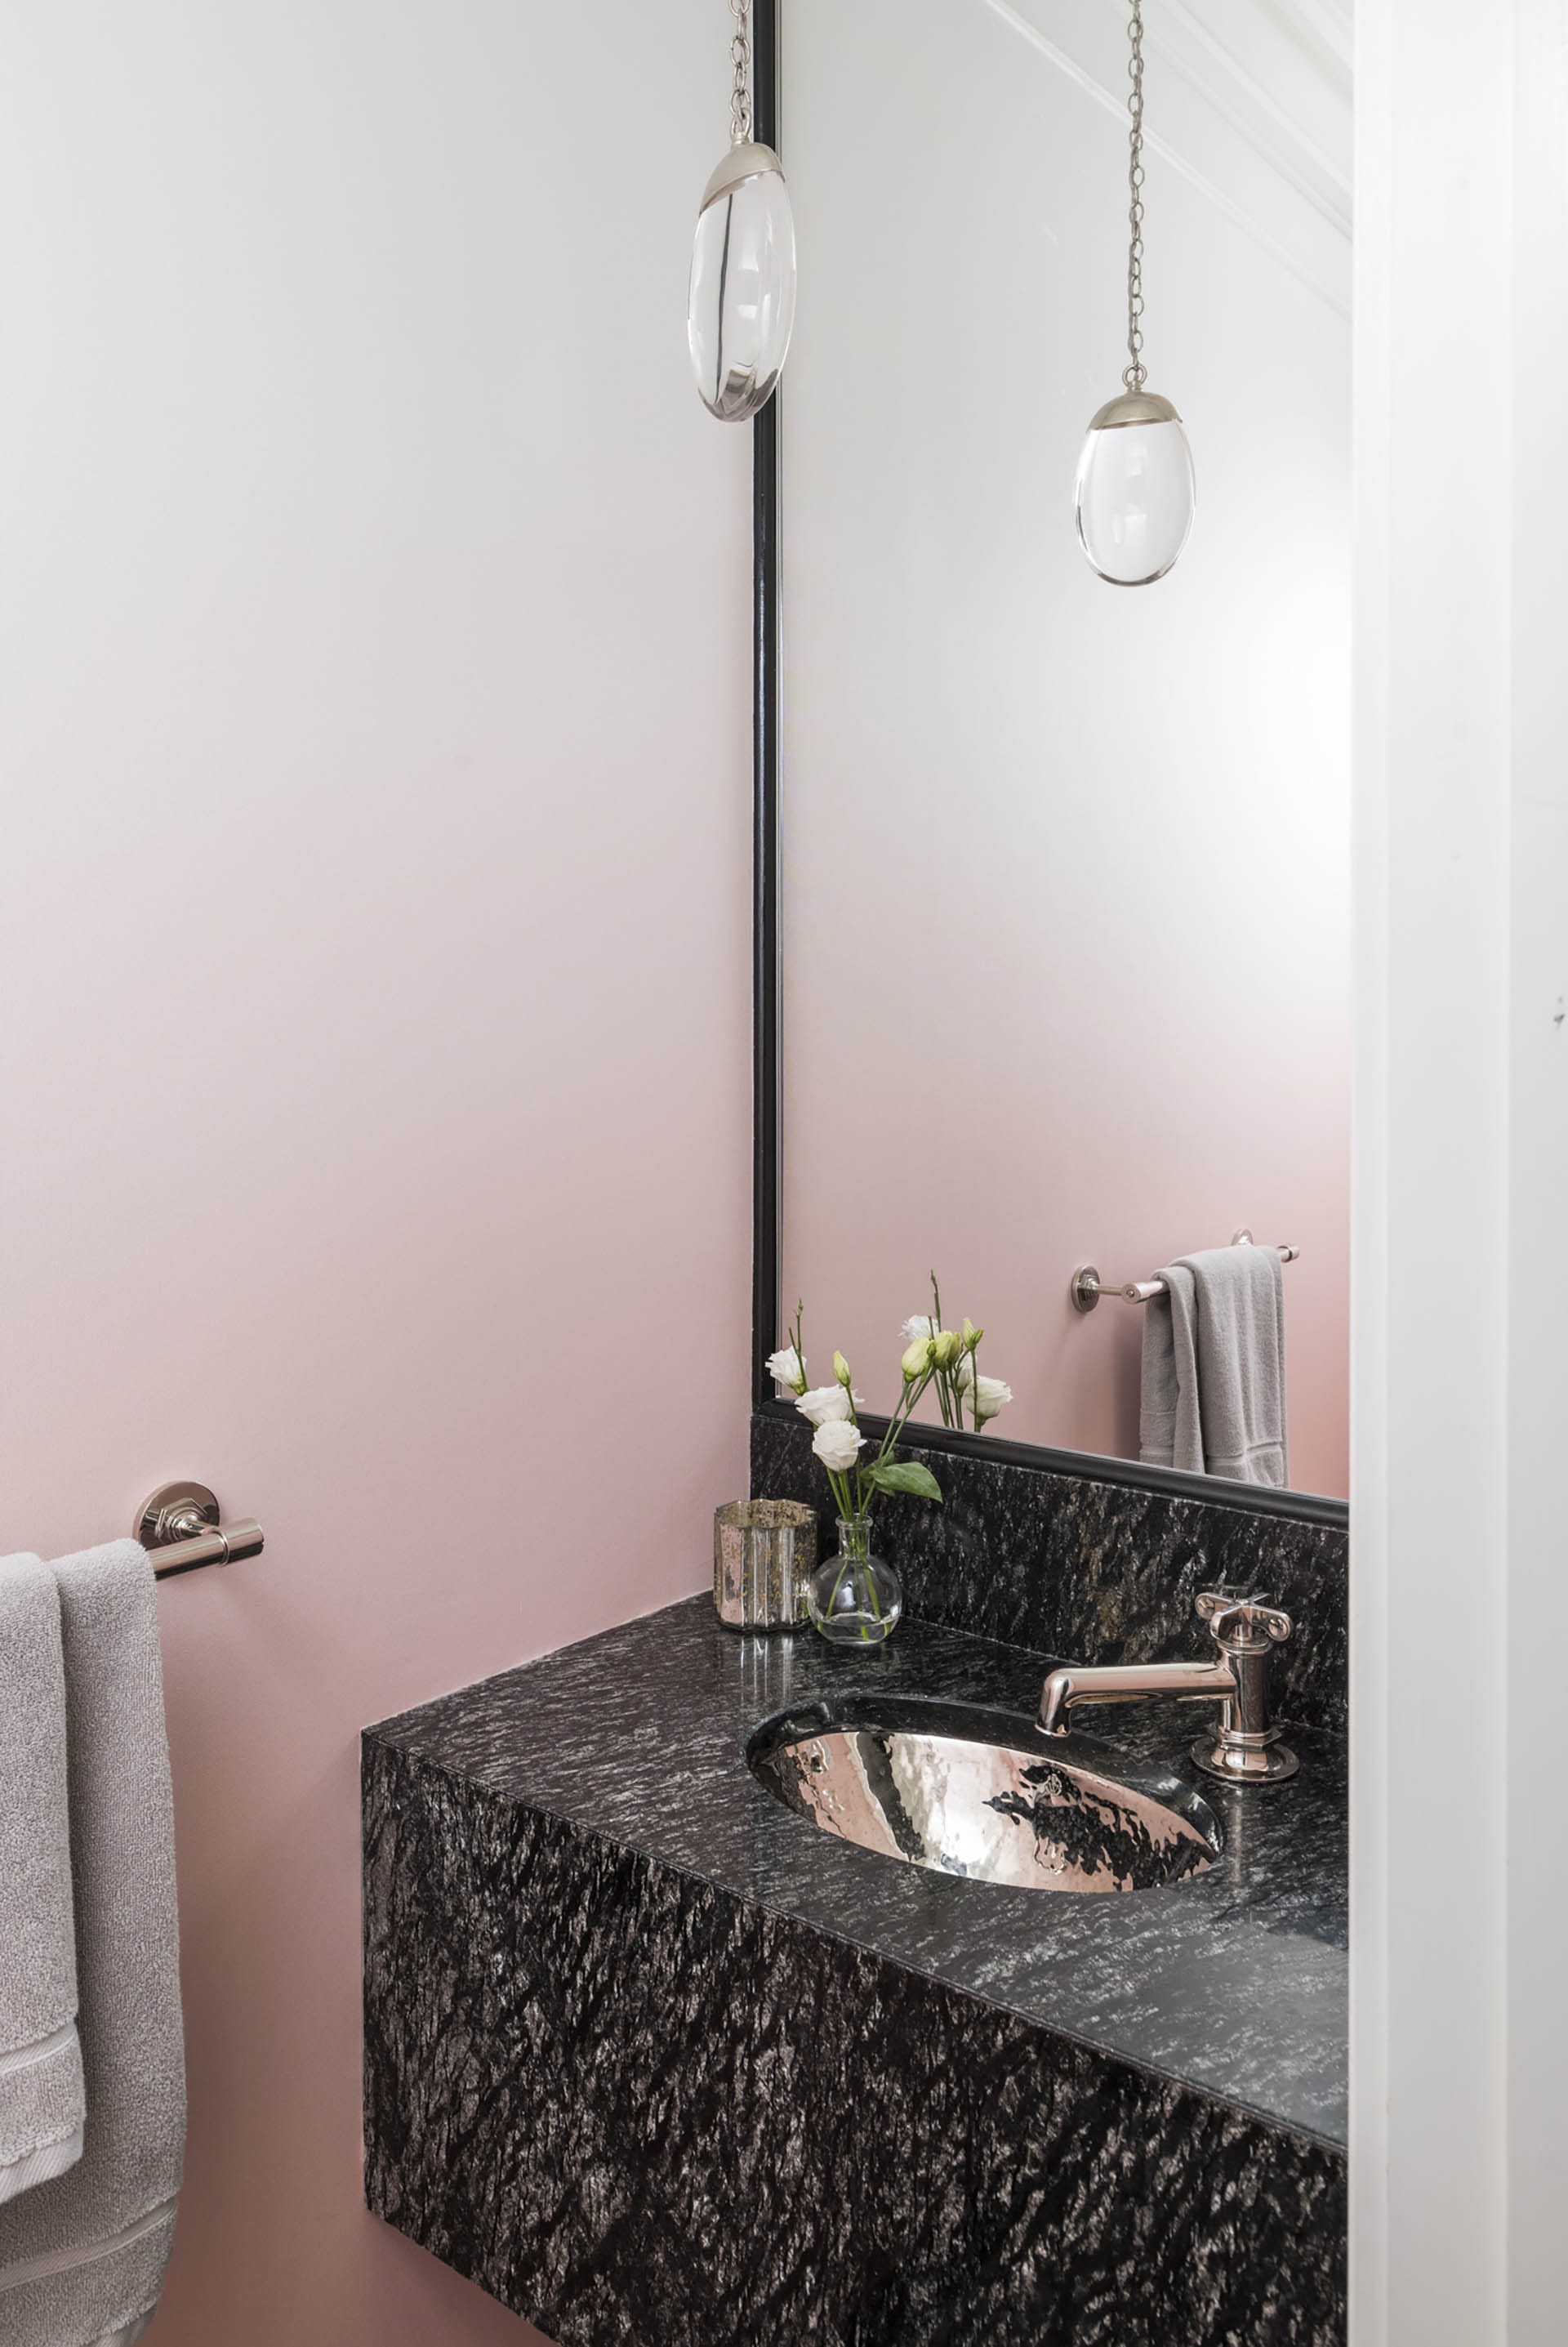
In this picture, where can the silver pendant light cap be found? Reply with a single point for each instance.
(1131, 407)
(747, 159)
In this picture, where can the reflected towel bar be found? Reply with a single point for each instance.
(1087, 1288)
(184, 1517)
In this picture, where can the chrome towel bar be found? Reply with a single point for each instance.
(1087, 1288)
(184, 1518)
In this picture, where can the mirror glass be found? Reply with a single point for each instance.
(1064, 865)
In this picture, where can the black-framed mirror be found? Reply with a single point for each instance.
(870, 497)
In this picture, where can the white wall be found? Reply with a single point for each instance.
(1460, 2053)
(374, 939)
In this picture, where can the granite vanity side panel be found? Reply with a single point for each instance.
(637, 2110)
(1098, 1572)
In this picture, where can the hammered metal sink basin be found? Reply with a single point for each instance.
(963, 1790)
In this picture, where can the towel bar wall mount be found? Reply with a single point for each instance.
(184, 1519)
(1087, 1287)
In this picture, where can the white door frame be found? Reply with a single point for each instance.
(1459, 1400)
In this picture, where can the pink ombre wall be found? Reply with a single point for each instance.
(1066, 904)
(373, 938)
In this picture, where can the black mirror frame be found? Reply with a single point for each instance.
(1298, 1507)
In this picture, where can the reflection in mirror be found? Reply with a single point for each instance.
(1063, 892)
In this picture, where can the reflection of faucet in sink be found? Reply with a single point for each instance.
(1245, 1748)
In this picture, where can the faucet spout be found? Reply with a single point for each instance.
(1129, 1683)
(1244, 1748)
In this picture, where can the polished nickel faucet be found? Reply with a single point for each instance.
(1244, 1748)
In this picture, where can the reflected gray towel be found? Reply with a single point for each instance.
(82, 2258)
(1213, 1398)
(41, 2101)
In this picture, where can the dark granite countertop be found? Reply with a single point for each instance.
(1232, 1983)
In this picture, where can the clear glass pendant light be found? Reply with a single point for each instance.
(1135, 494)
(741, 308)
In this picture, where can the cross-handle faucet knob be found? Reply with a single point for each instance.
(1247, 1630)
(1243, 1747)
(1242, 1622)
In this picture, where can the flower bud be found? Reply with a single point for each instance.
(917, 1360)
(946, 1348)
(991, 1395)
(841, 1371)
(971, 1335)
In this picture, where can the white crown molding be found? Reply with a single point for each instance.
(1327, 26)
(1254, 111)
(1237, 89)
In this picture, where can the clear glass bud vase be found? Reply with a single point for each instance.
(856, 1598)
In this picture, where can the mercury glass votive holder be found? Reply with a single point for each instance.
(764, 1554)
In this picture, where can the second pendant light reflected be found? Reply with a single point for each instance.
(1135, 491)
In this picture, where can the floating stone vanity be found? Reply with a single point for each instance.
(655, 2061)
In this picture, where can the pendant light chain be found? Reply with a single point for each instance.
(740, 57)
(1135, 374)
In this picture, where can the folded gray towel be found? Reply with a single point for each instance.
(1170, 1432)
(82, 2258)
(1213, 1393)
(41, 2100)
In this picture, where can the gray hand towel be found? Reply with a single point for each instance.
(41, 2099)
(1213, 1395)
(82, 2259)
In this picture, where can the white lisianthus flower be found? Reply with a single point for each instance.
(915, 1331)
(992, 1396)
(828, 1404)
(838, 1445)
(788, 1370)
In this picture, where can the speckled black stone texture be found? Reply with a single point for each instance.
(655, 2061)
(1098, 1572)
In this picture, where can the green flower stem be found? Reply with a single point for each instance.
(944, 1399)
(860, 1505)
(842, 1497)
(901, 1418)
(871, 1591)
